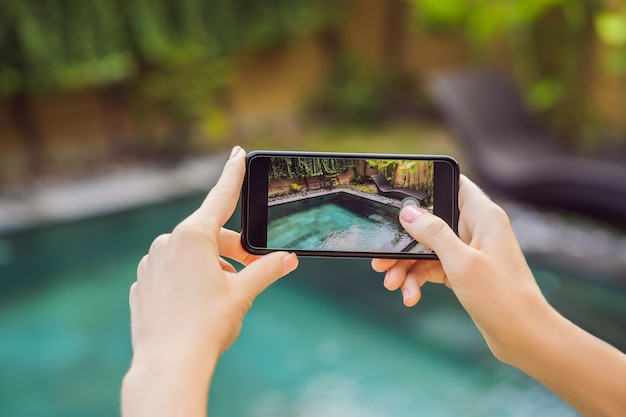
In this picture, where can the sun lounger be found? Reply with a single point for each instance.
(509, 155)
(399, 193)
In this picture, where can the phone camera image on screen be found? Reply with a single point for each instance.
(348, 205)
(339, 205)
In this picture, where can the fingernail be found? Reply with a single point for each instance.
(406, 294)
(410, 213)
(234, 152)
(387, 274)
(290, 262)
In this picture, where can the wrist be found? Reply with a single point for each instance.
(536, 327)
(583, 370)
(159, 382)
(174, 358)
(522, 320)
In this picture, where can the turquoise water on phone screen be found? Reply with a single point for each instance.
(328, 340)
(331, 227)
(338, 222)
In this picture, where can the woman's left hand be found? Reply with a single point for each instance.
(188, 304)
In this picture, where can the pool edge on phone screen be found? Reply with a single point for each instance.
(343, 204)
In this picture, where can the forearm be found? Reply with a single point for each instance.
(167, 388)
(583, 370)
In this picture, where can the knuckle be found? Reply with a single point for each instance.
(142, 265)
(499, 215)
(183, 229)
(159, 242)
(436, 228)
(188, 230)
(473, 261)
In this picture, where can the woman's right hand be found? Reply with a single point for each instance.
(486, 269)
(484, 266)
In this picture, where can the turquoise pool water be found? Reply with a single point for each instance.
(338, 222)
(326, 341)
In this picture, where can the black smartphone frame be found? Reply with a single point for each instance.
(254, 207)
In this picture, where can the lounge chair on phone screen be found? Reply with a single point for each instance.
(399, 193)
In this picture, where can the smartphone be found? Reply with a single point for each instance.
(342, 204)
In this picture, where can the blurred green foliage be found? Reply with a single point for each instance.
(611, 28)
(166, 61)
(547, 42)
(176, 57)
(65, 44)
(354, 93)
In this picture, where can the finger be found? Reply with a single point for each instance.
(480, 216)
(433, 232)
(132, 295)
(263, 272)
(230, 247)
(470, 193)
(226, 266)
(396, 275)
(411, 292)
(381, 265)
(420, 273)
(142, 266)
(472, 201)
(427, 271)
(132, 302)
(221, 201)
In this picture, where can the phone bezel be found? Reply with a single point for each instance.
(254, 200)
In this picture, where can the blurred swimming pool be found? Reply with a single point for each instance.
(326, 341)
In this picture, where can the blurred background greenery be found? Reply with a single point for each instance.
(97, 82)
(93, 87)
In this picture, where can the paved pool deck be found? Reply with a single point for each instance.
(323, 191)
(108, 193)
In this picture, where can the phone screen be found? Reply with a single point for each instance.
(338, 205)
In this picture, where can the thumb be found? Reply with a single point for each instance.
(263, 272)
(432, 231)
